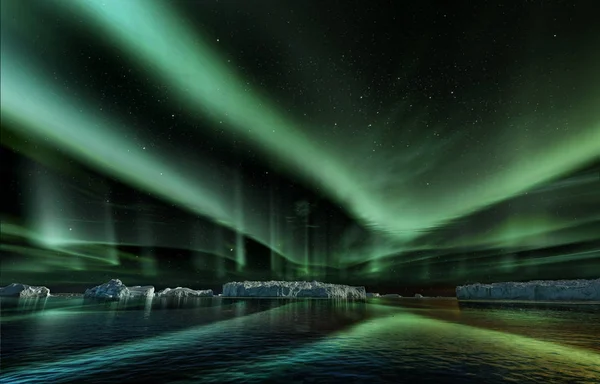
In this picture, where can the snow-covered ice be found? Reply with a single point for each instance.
(370, 295)
(419, 296)
(24, 291)
(540, 290)
(184, 292)
(391, 295)
(292, 289)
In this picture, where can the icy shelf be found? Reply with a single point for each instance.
(24, 291)
(292, 289)
(541, 290)
(184, 292)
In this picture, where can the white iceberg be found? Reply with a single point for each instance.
(370, 295)
(112, 290)
(24, 291)
(391, 295)
(541, 290)
(292, 289)
(116, 290)
(184, 292)
(418, 296)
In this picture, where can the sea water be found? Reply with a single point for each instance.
(215, 340)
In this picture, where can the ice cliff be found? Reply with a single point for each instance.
(292, 289)
(24, 291)
(184, 292)
(542, 290)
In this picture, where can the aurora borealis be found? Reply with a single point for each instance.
(192, 143)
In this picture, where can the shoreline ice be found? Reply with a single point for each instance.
(116, 290)
(303, 289)
(538, 290)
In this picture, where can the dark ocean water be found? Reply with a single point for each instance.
(67, 340)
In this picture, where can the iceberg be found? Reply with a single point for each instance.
(392, 295)
(540, 290)
(370, 295)
(116, 290)
(419, 296)
(113, 290)
(24, 291)
(184, 292)
(292, 289)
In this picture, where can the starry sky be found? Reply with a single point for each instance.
(388, 144)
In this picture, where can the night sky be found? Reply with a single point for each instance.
(404, 146)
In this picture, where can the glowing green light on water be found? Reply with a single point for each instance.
(120, 355)
(386, 330)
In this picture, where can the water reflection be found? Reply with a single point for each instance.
(528, 306)
(22, 305)
(257, 340)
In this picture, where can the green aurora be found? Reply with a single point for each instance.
(424, 209)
